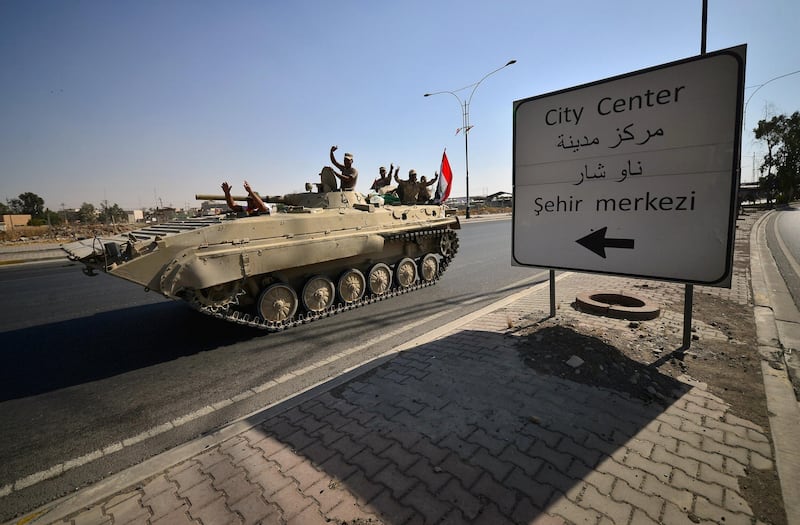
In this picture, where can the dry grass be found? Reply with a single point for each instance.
(20, 232)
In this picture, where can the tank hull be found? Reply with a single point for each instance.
(321, 249)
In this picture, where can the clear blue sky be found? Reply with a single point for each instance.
(146, 102)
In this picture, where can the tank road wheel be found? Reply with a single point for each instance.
(406, 272)
(448, 244)
(352, 285)
(429, 267)
(379, 279)
(219, 295)
(318, 293)
(277, 303)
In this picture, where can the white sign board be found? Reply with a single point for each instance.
(636, 175)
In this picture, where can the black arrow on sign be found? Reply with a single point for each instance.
(597, 242)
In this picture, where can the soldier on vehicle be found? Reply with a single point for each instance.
(423, 193)
(254, 203)
(348, 174)
(407, 190)
(385, 179)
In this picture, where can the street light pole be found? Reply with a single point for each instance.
(764, 84)
(464, 106)
(744, 111)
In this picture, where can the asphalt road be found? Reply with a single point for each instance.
(99, 375)
(783, 239)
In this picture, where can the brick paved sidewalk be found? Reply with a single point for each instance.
(460, 430)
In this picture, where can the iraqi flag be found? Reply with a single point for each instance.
(445, 180)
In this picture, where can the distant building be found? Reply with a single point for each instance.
(499, 200)
(135, 216)
(12, 221)
(457, 201)
(212, 208)
(751, 192)
(160, 215)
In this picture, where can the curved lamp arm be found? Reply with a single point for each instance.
(478, 83)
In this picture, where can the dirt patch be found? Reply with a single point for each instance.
(643, 359)
(723, 353)
(22, 235)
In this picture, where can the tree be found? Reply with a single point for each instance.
(4, 209)
(48, 218)
(781, 167)
(52, 217)
(28, 203)
(87, 214)
(112, 214)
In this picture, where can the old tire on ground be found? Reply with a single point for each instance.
(428, 267)
(406, 272)
(318, 293)
(277, 303)
(379, 279)
(352, 285)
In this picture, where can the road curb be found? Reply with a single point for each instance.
(11, 255)
(783, 408)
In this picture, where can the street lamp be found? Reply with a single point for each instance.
(744, 111)
(464, 105)
(759, 86)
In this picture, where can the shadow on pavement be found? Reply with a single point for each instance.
(458, 429)
(51, 356)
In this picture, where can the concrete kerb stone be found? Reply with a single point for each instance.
(787, 318)
(784, 411)
(24, 258)
(31, 253)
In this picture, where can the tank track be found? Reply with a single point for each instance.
(227, 313)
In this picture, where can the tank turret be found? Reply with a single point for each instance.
(321, 253)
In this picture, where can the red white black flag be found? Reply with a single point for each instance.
(445, 180)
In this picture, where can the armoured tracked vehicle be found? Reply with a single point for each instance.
(324, 252)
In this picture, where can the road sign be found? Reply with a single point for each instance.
(635, 175)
